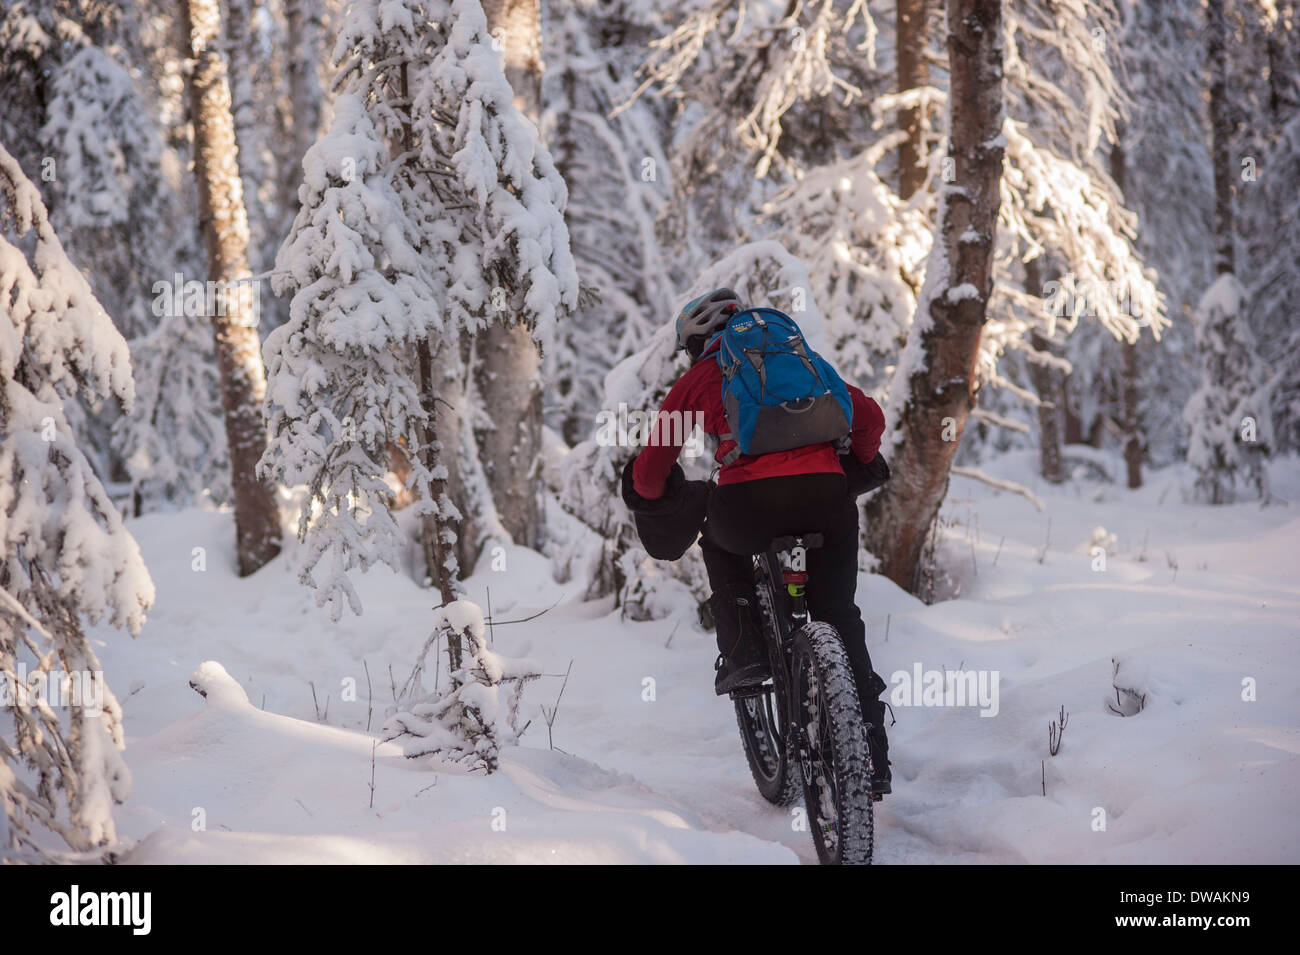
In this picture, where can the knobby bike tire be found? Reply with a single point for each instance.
(834, 761)
(771, 763)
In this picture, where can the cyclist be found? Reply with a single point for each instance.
(810, 489)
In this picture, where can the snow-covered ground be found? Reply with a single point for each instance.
(647, 765)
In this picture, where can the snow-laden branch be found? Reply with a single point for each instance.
(999, 421)
(1002, 485)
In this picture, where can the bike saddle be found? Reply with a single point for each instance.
(807, 541)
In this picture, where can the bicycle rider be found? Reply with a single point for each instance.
(757, 498)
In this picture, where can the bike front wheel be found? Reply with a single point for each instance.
(830, 744)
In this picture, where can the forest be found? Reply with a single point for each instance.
(328, 327)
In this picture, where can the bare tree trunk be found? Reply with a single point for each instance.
(913, 71)
(1047, 382)
(225, 234)
(1130, 419)
(1275, 47)
(1221, 129)
(509, 370)
(940, 390)
(1073, 423)
(1132, 423)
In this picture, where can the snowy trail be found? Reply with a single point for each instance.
(648, 764)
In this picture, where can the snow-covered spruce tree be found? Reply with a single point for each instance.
(30, 45)
(1228, 414)
(80, 124)
(345, 389)
(68, 560)
(478, 714)
(762, 273)
(108, 198)
(85, 128)
(485, 199)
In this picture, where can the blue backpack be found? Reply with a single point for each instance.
(777, 393)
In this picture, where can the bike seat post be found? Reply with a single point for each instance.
(793, 556)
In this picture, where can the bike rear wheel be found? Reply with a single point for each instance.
(762, 717)
(761, 720)
(830, 742)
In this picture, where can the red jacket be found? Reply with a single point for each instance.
(700, 391)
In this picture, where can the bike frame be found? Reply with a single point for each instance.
(786, 577)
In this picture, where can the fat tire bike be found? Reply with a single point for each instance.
(803, 730)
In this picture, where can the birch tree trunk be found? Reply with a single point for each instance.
(508, 372)
(913, 71)
(234, 320)
(934, 391)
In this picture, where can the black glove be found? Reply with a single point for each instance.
(669, 524)
(864, 477)
(667, 503)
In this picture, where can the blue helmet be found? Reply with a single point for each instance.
(706, 314)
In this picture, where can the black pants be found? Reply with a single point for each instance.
(742, 520)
